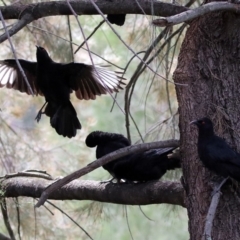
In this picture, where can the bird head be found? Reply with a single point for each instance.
(94, 138)
(203, 124)
(42, 54)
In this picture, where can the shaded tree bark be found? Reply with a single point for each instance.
(209, 63)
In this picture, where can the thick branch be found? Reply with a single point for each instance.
(28, 13)
(82, 7)
(154, 192)
(197, 12)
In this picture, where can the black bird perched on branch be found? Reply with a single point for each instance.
(56, 81)
(107, 143)
(118, 19)
(141, 167)
(215, 153)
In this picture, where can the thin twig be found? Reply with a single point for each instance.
(127, 46)
(18, 218)
(133, 80)
(144, 214)
(194, 13)
(128, 225)
(6, 218)
(55, 35)
(124, 71)
(15, 55)
(89, 52)
(168, 72)
(21, 23)
(95, 29)
(27, 174)
(70, 37)
(35, 221)
(70, 219)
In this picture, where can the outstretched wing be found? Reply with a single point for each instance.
(89, 81)
(11, 77)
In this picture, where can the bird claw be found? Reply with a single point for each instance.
(112, 180)
(38, 117)
(108, 181)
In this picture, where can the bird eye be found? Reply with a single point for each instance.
(203, 122)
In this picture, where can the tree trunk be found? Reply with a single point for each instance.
(209, 63)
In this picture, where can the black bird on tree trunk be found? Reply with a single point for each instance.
(215, 153)
(55, 81)
(140, 167)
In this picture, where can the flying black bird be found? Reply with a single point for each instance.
(141, 167)
(56, 81)
(215, 153)
(117, 19)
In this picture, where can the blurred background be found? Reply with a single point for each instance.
(149, 101)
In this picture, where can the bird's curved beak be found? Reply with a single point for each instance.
(195, 122)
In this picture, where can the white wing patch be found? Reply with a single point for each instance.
(7, 75)
(108, 79)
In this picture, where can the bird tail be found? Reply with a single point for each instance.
(167, 158)
(96, 137)
(63, 118)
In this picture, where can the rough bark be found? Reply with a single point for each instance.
(154, 192)
(209, 63)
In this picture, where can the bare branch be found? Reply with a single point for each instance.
(6, 218)
(212, 210)
(17, 27)
(64, 213)
(14, 53)
(154, 192)
(94, 30)
(197, 12)
(18, 219)
(101, 161)
(30, 12)
(83, 7)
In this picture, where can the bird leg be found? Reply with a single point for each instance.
(39, 115)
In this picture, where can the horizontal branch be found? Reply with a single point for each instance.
(154, 192)
(197, 12)
(103, 160)
(83, 7)
(30, 12)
